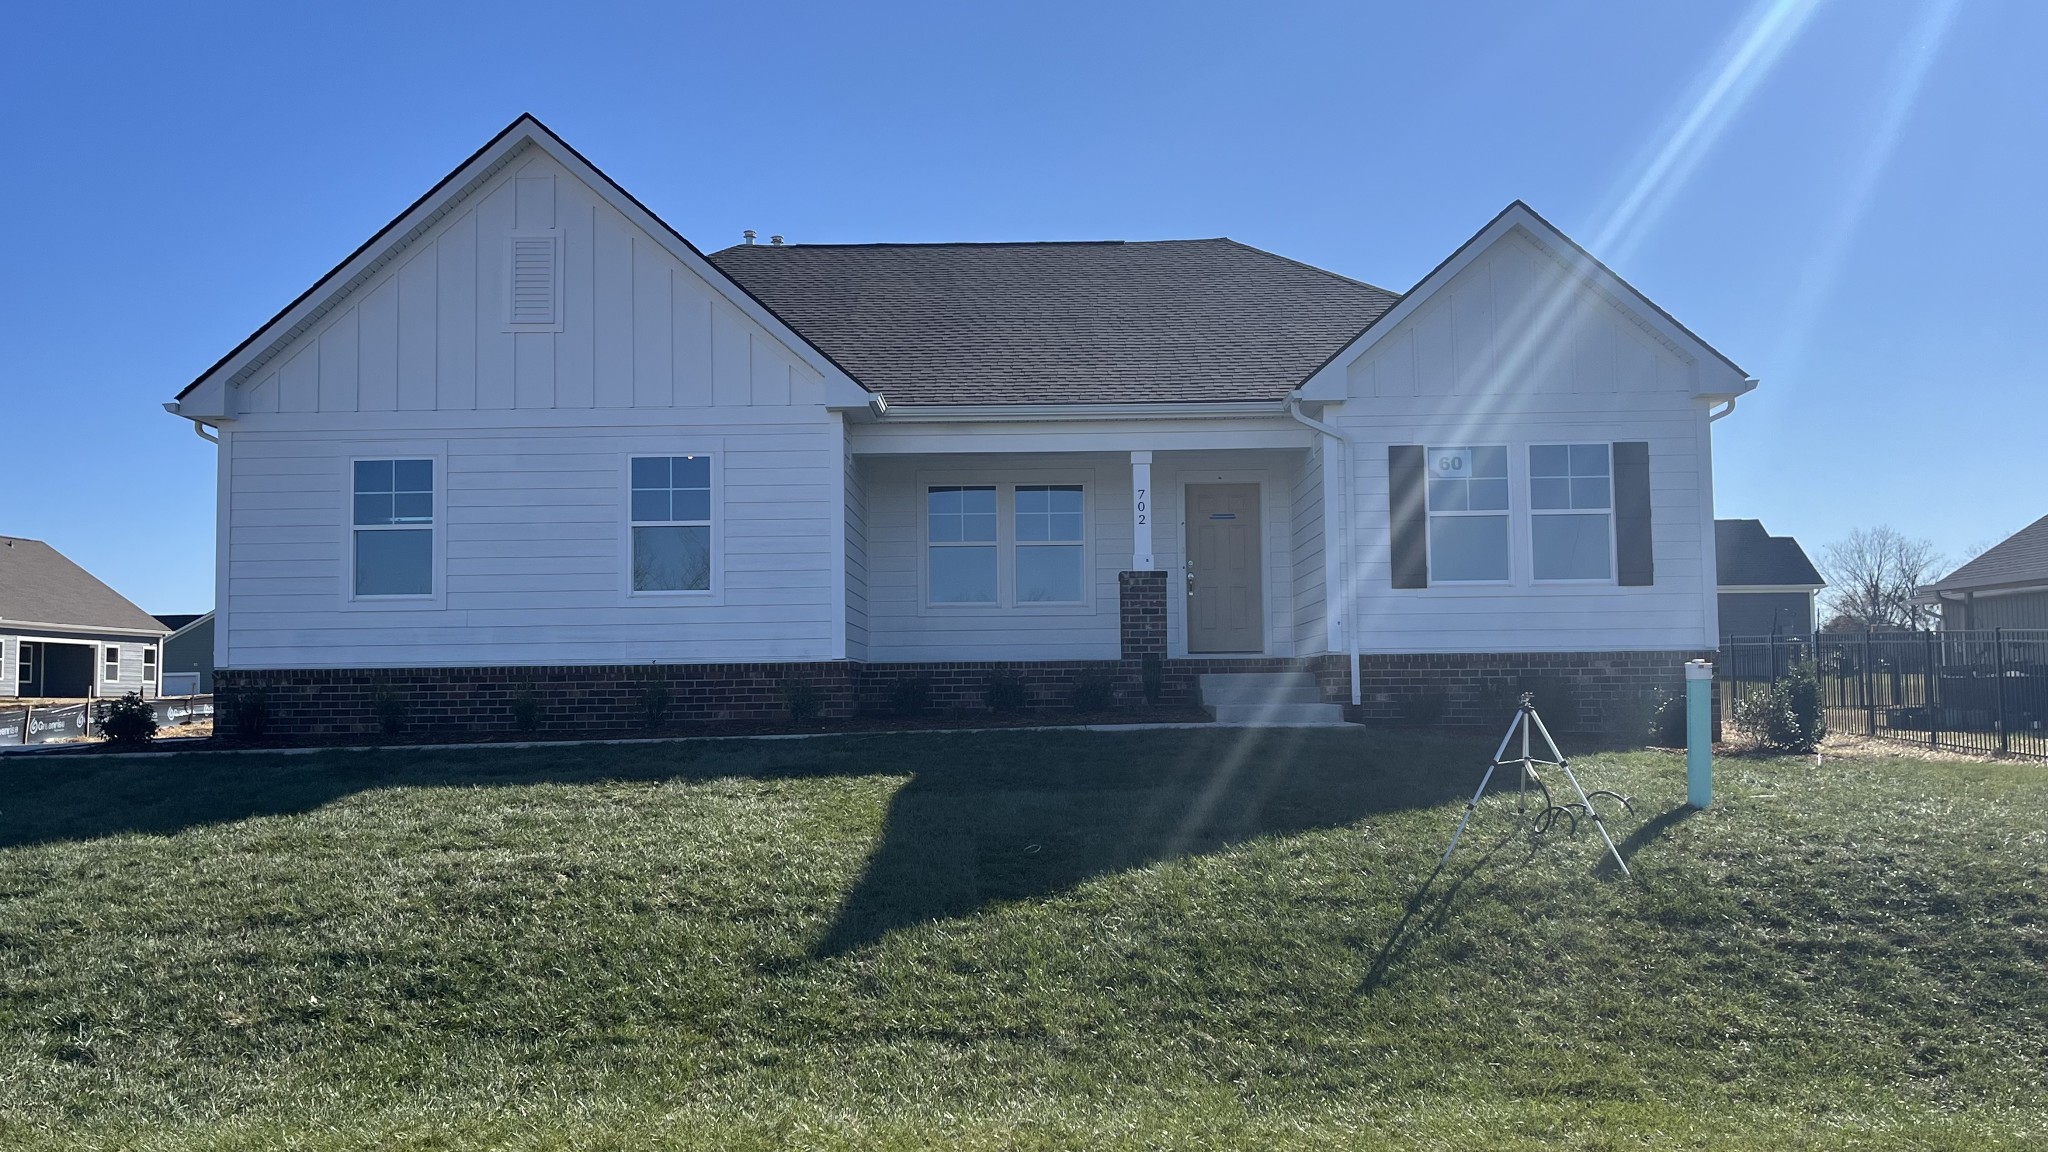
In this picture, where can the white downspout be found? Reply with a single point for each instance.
(1343, 594)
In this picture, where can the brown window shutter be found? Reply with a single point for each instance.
(1633, 563)
(1408, 515)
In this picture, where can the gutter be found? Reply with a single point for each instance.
(199, 426)
(986, 413)
(1344, 594)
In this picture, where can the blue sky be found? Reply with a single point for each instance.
(1840, 196)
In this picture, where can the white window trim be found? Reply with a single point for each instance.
(1529, 487)
(505, 297)
(924, 492)
(107, 650)
(715, 451)
(1430, 514)
(438, 549)
(1005, 482)
(1017, 546)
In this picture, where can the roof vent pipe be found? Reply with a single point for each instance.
(775, 240)
(749, 234)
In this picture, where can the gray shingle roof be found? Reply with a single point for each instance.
(39, 585)
(1085, 322)
(1746, 556)
(2021, 558)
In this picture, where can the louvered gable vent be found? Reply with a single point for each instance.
(532, 282)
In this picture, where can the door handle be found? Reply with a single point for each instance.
(1191, 577)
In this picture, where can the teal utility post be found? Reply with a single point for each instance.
(1699, 733)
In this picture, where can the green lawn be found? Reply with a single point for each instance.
(1181, 939)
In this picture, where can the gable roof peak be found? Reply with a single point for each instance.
(526, 130)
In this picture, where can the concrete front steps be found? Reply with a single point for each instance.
(1277, 699)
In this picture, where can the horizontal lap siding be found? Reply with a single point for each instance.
(902, 628)
(533, 533)
(1512, 352)
(1307, 555)
(856, 559)
(533, 429)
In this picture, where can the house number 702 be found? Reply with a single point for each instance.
(1143, 516)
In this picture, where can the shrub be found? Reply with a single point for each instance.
(1641, 716)
(910, 696)
(249, 709)
(1668, 722)
(526, 709)
(387, 704)
(1423, 709)
(655, 700)
(1152, 677)
(1790, 715)
(803, 699)
(129, 721)
(1094, 690)
(1557, 698)
(1007, 692)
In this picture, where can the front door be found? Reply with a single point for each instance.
(1224, 569)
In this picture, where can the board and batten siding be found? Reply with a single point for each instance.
(531, 431)
(1511, 352)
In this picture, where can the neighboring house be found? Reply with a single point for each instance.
(188, 654)
(2005, 587)
(529, 435)
(65, 635)
(1768, 585)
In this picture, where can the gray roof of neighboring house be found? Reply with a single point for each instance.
(1075, 322)
(2021, 558)
(176, 620)
(39, 585)
(1746, 556)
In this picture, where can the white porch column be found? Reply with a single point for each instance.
(1141, 511)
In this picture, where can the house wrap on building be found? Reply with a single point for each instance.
(530, 435)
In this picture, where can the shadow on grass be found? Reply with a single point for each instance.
(982, 818)
(1645, 832)
(1425, 913)
(963, 836)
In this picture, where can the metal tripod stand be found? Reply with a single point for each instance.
(1527, 721)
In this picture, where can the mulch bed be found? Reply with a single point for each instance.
(931, 722)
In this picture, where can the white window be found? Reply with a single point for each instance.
(1048, 522)
(1571, 511)
(671, 512)
(1468, 515)
(960, 544)
(111, 663)
(149, 664)
(394, 528)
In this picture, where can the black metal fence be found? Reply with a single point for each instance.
(1984, 692)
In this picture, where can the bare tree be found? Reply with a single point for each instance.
(1873, 574)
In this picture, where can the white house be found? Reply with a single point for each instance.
(529, 435)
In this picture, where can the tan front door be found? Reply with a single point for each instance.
(1225, 612)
